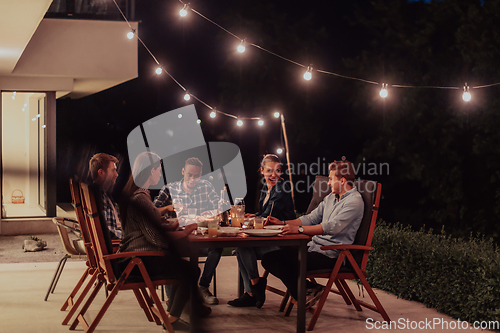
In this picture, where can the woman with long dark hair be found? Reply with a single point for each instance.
(275, 200)
(143, 231)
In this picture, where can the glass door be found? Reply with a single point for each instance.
(24, 160)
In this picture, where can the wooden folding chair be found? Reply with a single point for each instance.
(92, 270)
(102, 246)
(356, 256)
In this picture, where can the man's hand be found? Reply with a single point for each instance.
(248, 215)
(290, 229)
(273, 220)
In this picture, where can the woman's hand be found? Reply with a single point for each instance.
(165, 209)
(290, 229)
(273, 220)
(190, 228)
(248, 215)
(172, 227)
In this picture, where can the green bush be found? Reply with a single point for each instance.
(457, 277)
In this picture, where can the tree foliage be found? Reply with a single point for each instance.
(443, 152)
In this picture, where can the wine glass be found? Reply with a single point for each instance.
(178, 205)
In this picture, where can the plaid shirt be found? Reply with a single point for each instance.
(112, 215)
(203, 197)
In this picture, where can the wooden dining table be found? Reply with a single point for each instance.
(244, 240)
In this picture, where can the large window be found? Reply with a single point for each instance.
(24, 151)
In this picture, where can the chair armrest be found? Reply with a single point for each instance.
(346, 247)
(134, 254)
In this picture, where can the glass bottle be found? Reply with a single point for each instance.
(223, 209)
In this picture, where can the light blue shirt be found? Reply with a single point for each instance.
(340, 220)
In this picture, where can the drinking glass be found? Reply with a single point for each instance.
(178, 206)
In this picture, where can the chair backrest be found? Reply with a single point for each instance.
(370, 191)
(101, 240)
(80, 217)
(69, 246)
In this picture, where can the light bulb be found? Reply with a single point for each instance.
(383, 92)
(38, 115)
(239, 123)
(213, 114)
(14, 93)
(276, 115)
(466, 95)
(260, 122)
(198, 121)
(308, 73)
(23, 109)
(279, 150)
(241, 48)
(33, 119)
(183, 12)
(187, 97)
(130, 35)
(43, 126)
(179, 116)
(159, 70)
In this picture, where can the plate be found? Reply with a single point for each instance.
(262, 232)
(228, 231)
(273, 227)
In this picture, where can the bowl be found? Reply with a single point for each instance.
(228, 231)
(202, 224)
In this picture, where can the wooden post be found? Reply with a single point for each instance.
(287, 157)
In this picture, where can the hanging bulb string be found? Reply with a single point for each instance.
(171, 76)
(486, 86)
(332, 73)
(346, 77)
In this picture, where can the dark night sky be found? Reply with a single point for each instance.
(198, 54)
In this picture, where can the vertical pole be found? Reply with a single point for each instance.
(287, 157)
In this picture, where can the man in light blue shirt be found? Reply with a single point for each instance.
(335, 221)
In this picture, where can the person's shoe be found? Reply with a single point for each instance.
(313, 295)
(179, 325)
(259, 291)
(208, 298)
(244, 301)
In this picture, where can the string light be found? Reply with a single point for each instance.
(179, 115)
(241, 48)
(187, 97)
(383, 92)
(276, 115)
(466, 95)
(279, 150)
(239, 123)
(38, 115)
(23, 109)
(198, 121)
(183, 12)
(260, 122)
(130, 35)
(308, 73)
(33, 119)
(43, 126)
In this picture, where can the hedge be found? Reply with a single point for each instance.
(457, 277)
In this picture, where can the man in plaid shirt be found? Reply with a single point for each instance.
(104, 173)
(200, 194)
